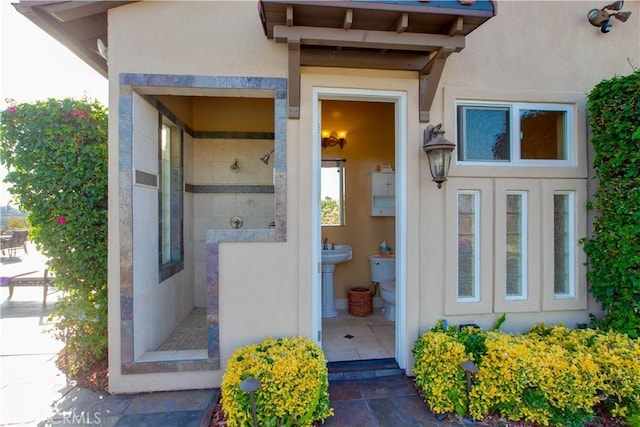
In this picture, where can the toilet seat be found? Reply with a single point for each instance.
(389, 286)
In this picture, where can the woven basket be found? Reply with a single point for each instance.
(360, 302)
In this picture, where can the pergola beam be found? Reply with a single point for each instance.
(294, 79)
(428, 82)
(369, 39)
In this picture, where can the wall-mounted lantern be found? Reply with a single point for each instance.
(438, 150)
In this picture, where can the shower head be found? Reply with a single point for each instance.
(265, 159)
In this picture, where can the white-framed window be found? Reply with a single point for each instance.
(170, 198)
(524, 134)
(516, 222)
(564, 238)
(332, 193)
(468, 289)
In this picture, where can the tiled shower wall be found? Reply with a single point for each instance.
(220, 193)
(237, 193)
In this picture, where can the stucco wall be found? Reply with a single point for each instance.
(531, 51)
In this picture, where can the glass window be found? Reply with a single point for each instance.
(332, 193)
(516, 268)
(563, 247)
(542, 135)
(468, 246)
(524, 134)
(483, 133)
(170, 199)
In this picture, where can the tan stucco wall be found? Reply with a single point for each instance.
(531, 51)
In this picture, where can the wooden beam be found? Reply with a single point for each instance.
(315, 36)
(428, 82)
(348, 19)
(293, 90)
(402, 23)
(457, 26)
(289, 16)
(363, 59)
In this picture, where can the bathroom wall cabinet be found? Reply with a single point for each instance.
(383, 194)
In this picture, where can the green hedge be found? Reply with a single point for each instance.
(614, 250)
(55, 152)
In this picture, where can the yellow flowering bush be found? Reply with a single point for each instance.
(524, 377)
(551, 376)
(438, 374)
(293, 384)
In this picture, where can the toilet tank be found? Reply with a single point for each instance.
(383, 269)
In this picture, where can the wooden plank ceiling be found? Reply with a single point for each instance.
(408, 35)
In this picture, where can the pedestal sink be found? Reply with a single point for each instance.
(336, 254)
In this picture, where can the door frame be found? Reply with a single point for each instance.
(399, 99)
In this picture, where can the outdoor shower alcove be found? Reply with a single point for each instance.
(231, 180)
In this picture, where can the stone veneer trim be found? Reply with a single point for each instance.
(128, 83)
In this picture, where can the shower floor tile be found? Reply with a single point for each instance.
(191, 334)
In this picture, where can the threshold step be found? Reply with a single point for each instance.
(363, 369)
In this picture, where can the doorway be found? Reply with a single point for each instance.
(372, 125)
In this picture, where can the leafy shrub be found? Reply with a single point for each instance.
(549, 376)
(55, 152)
(614, 250)
(437, 371)
(293, 384)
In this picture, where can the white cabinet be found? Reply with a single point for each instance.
(383, 194)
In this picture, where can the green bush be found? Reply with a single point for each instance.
(550, 376)
(55, 152)
(614, 250)
(294, 386)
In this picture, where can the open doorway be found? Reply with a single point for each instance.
(366, 128)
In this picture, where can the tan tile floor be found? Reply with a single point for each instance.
(191, 334)
(372, 337)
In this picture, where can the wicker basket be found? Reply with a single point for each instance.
(360, 302)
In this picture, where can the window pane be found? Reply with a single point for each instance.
(562, 245)
(483, 133)
(542, 135)
(332, 194)
(170, 200)
(516, 234)
(467, 246)
(165, 194)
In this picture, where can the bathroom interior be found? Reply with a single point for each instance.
(231, 186)
(367, 159)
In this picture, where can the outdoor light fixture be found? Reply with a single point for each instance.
(602, 17)
(332, 138)
(265, 159)
(250, 385)
(469, 368)
(438, 150)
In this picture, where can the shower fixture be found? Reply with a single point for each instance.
(265, 159)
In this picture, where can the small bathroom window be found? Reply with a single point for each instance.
(332, 192)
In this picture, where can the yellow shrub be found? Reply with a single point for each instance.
(438, 374)
(551, 376)
(293, 384)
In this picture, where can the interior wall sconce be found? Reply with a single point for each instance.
(438, 150)
(332, 138)
(235, 167)
(265, 159)
(602, 17)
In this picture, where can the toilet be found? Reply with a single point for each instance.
(383, 272)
